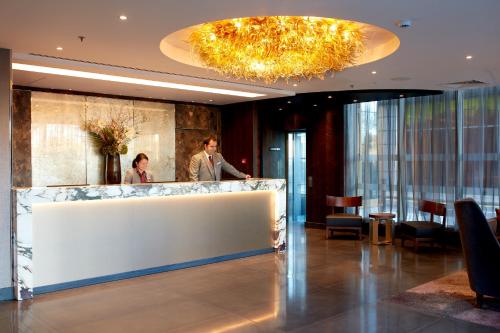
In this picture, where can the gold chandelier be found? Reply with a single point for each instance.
(274, 47)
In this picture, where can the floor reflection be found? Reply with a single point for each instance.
(316, 285)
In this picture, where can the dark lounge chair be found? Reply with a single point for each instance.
(481, 250)
(425, 231)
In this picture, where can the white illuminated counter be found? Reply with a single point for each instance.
(73, 236)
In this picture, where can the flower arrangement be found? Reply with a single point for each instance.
(112, 136)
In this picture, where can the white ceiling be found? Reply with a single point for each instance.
(431, 53)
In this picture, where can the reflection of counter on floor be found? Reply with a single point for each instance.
(74, 236)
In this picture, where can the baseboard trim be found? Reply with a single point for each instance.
(148, 271)
(6, 294)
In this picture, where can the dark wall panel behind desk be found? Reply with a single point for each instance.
(21, 138)
(240, 136)
(192, 124)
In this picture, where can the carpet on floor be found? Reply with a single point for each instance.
(450, 296)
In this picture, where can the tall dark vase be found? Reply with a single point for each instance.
(112, 169)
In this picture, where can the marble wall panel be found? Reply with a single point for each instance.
(64, 154)
(57, 141)
(104, 108)
(21, 138)
(193, 124)
(169, 134)
(156, 138)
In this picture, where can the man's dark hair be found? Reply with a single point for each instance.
(207, 140)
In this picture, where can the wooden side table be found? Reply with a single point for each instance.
(375, 220)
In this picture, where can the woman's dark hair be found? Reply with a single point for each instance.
(138, 158)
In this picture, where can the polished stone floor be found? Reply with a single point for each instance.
(318, 285)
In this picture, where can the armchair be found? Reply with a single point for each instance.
(343, 221)
(481, 250)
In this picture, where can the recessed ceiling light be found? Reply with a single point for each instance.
(289, 102)
(123, 17)
(401, 95)
(210, 100)
(405, 24)
(295, 84)
(315, 104)
(280, 109)
(374, 72)
(469, 57)
(354, 100)
(59, 48)
(130, 80)
(330, 96)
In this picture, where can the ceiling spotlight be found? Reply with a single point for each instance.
(330, 96)
(295, 84)
(289, 102)
(123, 17)
(210, 100)
(374, 72)
(401, 95)
(404, 24)
(354, 100)
(59, 48)
(280, 109)
(469, 57)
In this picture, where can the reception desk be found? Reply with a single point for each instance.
(73, 236)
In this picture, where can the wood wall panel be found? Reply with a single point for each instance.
(325, 161)
(240, 138)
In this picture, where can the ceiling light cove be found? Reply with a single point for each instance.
(272, 48)
(130, 80)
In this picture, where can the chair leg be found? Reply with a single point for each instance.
(479, 300)
(327, 233)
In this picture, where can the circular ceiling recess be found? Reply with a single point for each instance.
(271, 48)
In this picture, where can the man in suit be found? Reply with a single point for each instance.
(207, 164)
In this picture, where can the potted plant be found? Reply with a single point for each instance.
(111, 137)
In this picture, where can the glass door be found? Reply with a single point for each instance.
(296, 177)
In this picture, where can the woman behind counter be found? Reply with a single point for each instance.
(138, 173)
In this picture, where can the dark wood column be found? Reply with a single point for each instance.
(325, 161)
